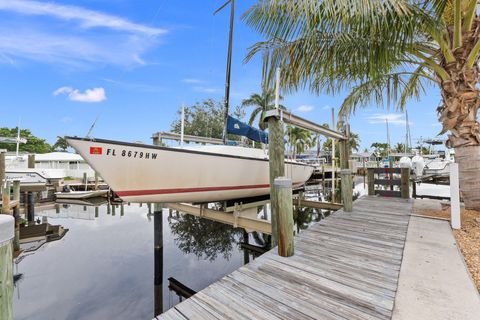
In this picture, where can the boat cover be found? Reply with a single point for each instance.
(235, 126)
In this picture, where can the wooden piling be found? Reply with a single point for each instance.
(85, 180)
(6, 267)
(2, 170)
(31, 161)
(30, 206)
(16, 214)
(371, 181)
(282, 187)
(405, 182)
(276, 151)
(6, 198)
(347, 192)
(96, 180)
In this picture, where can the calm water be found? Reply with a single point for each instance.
(104, 266)
(112, 266)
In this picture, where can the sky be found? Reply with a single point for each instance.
(131, 64)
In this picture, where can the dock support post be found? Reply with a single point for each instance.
(454, 196)
(283, 194)
(347, 191)
(6, 198)
(2, 170)
(158, 261)
(31, 161)
(371, 181)
(6, 269)
(16, 214)
(96, 180)
(276, 152)
(30, 206)
(85, 181)
(405, 182)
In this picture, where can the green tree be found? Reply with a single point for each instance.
(33, 145)
(385, 52)
(205, 119)
(380, 149)
(261, 103)
(299, 140)
(61, 144)
(354, 144)
(399, 147)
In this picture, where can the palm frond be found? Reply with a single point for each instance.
(391, 88)
(332, 44)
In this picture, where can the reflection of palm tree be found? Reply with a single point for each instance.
(302, 217)
(262, 103)
(202, 237)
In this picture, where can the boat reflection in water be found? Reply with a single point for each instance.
(104, 267)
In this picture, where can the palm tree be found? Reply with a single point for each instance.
(385, 51)
(262, 103)
(399, 147)
(300, 140)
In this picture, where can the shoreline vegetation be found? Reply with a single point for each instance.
(468, 237)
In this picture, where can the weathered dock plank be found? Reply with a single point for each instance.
(344, 267)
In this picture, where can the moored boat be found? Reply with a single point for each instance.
(81, 194)
(146, 173)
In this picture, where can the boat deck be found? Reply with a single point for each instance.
(345, 267)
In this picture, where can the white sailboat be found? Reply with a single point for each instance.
(146, 173)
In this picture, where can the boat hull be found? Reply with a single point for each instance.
(144, 173)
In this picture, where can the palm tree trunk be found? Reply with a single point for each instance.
(458, 114)
(468, 159)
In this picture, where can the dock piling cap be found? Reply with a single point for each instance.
(7, 224)
(282, 182)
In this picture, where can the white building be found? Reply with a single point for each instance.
(54, 164)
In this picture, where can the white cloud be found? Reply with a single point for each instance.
(66, 120)
(305, 108)
(86, 18)
(73, 51)
(192, 80)
(326, 107)
(205, 89)
(90, 95)
(392, 118)
(69, 40)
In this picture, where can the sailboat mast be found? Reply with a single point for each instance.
(18, 139)
(388, 139)
(227, 74)
(406, 132)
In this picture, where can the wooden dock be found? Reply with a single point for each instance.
(345, 267)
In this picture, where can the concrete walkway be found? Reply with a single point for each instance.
(434, 282)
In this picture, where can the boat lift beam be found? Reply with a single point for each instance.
(297, 121)
(159, 136)
(236, 219)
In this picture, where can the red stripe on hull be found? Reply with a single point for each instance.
(186, 190)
